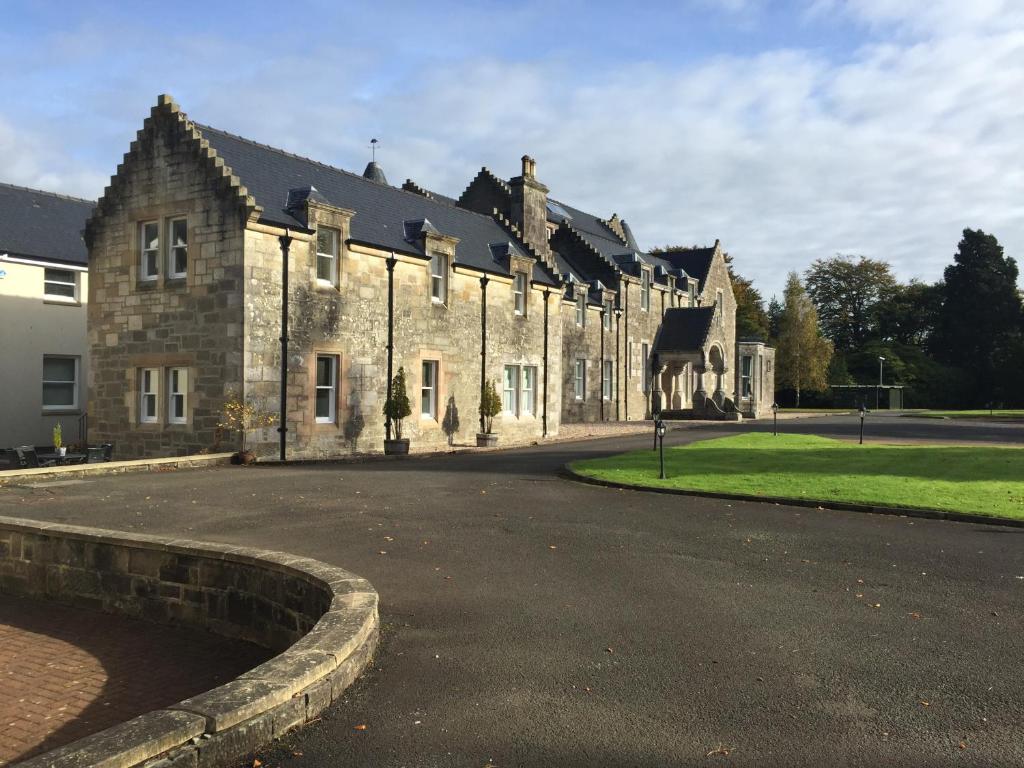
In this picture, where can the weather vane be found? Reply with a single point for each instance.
(373, 147)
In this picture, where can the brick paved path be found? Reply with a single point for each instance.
(66, 673)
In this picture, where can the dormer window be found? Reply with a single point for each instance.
(438, 278)
(149, 248)
(327, 241)
(581, 311)
(645, 289)
(519, 293)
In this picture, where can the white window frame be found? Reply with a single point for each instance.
(581, 311)
(152, 392)
(430, 390)
(579, 379)
(528, 394)
(609, 372)
(333, 255)
(176, 392)
(747, 378)
(645, 354)
(519, 293)
(511, 373)
(74, 383)
(331, 388)
(145, 253)
(172, 249)
(57, 297)
(606, 321)
(645, 290)
(439, 278)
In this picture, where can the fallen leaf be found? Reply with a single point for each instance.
(877, 605)
(256, 764)
(914, 615)
(382, 552)
(609, 650)
(963, 745)
(552, 546)
(360, 727)
(719, 750)
(924, 703)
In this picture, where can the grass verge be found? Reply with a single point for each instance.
(982, 480)
(980, 414)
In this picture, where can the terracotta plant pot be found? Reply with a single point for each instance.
(396, 447)
(486, 439)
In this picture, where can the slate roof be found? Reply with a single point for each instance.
(684, 329)
(602, 239)
(696, 262)
(43, 225)
(380, 210)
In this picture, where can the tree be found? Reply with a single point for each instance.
(397, 406)
(981, 320)
(803, 355)
(847, 292)
(774, 318)
(751, 319)
(490, 405)
(242, 414)
(909, 314)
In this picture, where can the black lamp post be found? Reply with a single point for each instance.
(863, 413)
(775, 417)
(286, 244)
(659, 431)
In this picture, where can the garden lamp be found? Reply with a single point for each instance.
(775, 414)
(659, 431)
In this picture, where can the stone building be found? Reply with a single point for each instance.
(559, 308)
(43, 287)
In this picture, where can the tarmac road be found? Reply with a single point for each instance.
(533, 621)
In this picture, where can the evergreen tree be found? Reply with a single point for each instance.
(803, 355)
(981, 320)
(774, 318)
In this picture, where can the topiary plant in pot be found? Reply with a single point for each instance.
(490, 406)
(396, 408)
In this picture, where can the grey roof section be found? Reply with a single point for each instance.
(380, 210)
(375, 173)
(684, 329)
(695, 261)
(43, 225)
(602, 239)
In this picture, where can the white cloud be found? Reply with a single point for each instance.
(787, 155)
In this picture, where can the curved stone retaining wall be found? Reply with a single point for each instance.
(323, 621)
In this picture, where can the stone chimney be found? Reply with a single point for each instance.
(529, 210)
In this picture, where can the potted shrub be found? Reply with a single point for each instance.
(396, 408)
(490, 406)
(58, 439)
(239, 416)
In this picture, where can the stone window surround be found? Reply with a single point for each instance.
(162, 215)
(416, 388)
(169, 378)
(520, 267)
(163, 363)
(608, 380)
(442, 245)
(579, 383)
(332, 281)
(339, 219)
(335, 351)
(646, 279)
(520, 367)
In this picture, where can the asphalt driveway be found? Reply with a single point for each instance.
(530, 620)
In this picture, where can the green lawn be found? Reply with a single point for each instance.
(980, 414)
(984, 479)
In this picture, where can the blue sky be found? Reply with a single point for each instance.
(790, 130)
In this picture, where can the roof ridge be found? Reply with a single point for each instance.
(58, 195)
(203, 127)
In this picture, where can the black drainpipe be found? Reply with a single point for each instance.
(618, 357)
(544, 417)
(483, 344)
(604, 309)
(625, 388)
(391, 336)
(286, 244)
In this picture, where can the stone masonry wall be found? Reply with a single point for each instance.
(350, 322)
(585, 343)
(193, 322)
